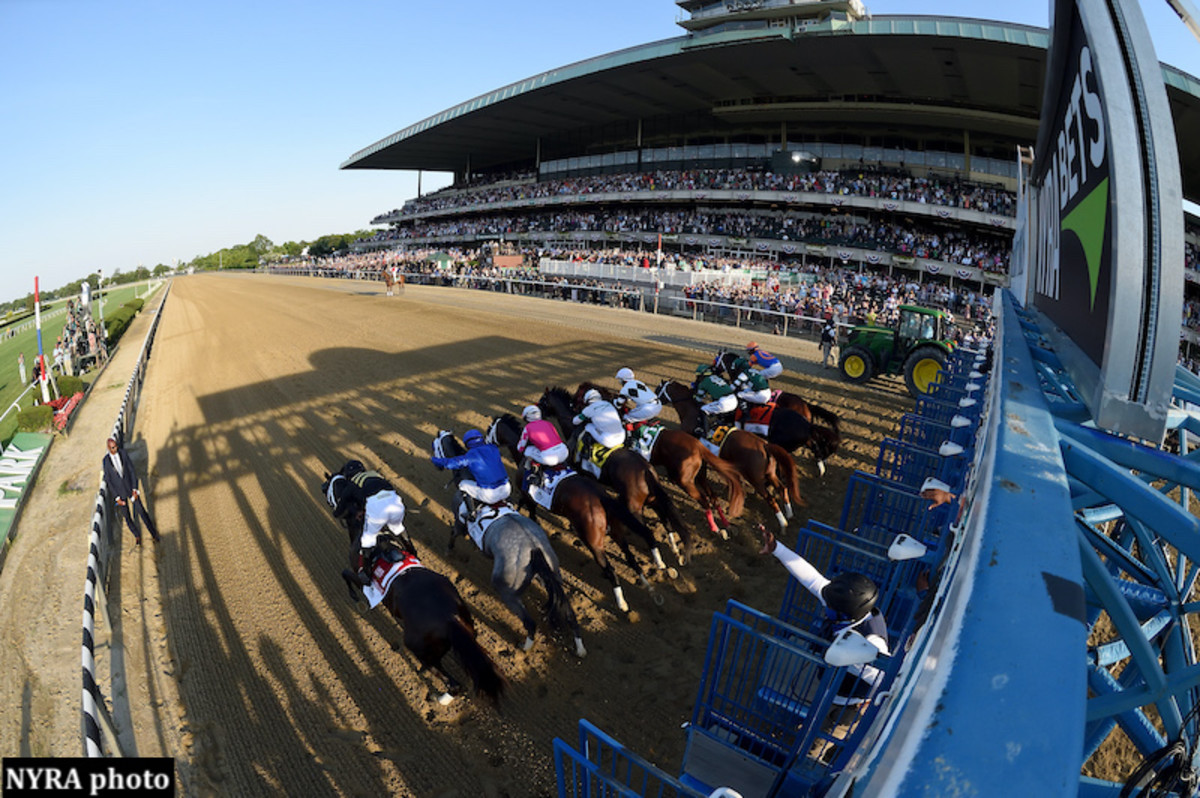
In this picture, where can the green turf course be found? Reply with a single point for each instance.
(25, 341)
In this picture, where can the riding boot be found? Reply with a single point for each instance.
(362, 575)
(471, 505)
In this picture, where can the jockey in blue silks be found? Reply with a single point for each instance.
(489, 478)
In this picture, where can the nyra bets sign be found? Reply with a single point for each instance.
(1073, 274)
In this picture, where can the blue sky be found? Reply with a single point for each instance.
(149, 132)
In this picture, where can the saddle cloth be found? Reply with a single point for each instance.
(592, 458)
(383, 573)
(485, 516)
(759, 415)
(543, 494)
(715, 439)
(642, 438)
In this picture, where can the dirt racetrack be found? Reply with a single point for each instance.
(260, 384)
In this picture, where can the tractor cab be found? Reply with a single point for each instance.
(916, 347)
(917, 325)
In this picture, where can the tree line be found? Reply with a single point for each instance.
(260, 251)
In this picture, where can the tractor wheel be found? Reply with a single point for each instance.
(922, 367)
(856, 364)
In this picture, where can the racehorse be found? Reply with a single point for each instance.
(520, 551)
(688, 464)
(433, 615)
(589, 511)
(626, 472)
(816, 428)
(768, 467)
(392, 279)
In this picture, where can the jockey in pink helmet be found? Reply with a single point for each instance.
(540, 443)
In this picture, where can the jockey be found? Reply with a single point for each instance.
(603, 423)
(489, 479)
(541, 444)
(715, 397)
(635, 400)
(382, 506)
(763, 361)
(751, 386)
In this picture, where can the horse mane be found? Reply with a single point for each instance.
(587, 385)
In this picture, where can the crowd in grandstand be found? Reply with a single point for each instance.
(961, 247)
(890, 185)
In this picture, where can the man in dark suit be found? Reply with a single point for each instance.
(122, 482)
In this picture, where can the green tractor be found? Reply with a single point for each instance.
(917, 347)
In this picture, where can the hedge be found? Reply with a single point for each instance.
(35, 419)
(69, 386)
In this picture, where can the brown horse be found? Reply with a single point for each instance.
(816, 429)
(689, 465)
(392, 279)
(589, 511)
(627, 473)
(768, 468)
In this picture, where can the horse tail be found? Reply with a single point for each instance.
(667, 511)
(788, 473)
(826, 416)
(737, 493)
(485, 676)
(558, 608)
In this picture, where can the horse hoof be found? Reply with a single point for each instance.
(672, 573)
(821, 468)
(528, 644)
(445, 699)
(580, 651)
(658, 599)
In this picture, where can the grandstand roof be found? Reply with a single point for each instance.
(893, 73)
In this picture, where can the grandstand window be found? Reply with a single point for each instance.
(956, 160)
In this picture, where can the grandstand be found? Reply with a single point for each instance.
(800, 134)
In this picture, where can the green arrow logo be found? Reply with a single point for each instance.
(1088, 222)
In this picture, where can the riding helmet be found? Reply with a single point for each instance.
(531, 413)
(851, 595)
(591, 396)
(353, 467)
(472, 438)
(703, 368)
(625, 375)
(750, 347)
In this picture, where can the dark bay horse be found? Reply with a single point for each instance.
(520, 551)
(626, 472)
(804, 424)
(589, 511)
(768, 467)
(689, 464)
(434, 617)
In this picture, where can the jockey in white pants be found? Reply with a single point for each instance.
(540, 443)
(602, 422)
(715, 396)
(763, 361)
(382, 506)
(635, 400)
(489, 479)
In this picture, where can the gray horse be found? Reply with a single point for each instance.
(520, 551)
